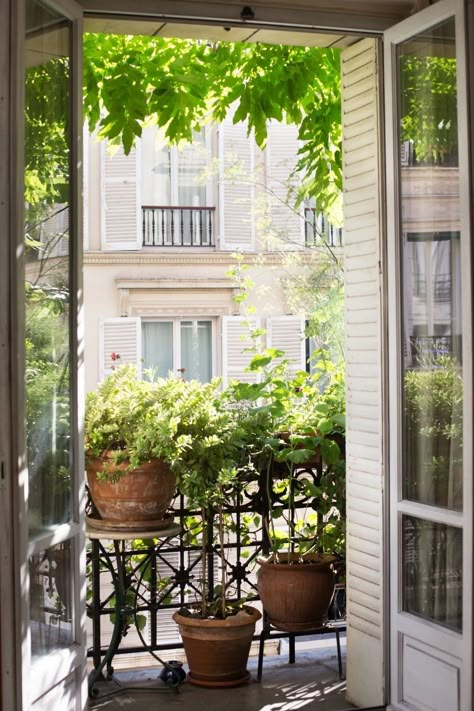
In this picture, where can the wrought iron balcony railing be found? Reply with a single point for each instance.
(318, 230)
(166, 226)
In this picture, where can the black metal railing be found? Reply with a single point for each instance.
(167, 226)
(165, 574)
(318, 230)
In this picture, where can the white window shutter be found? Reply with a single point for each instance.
(235, 339)
(121, 199)
(286, 224)
(236, 187)
(122, 337)
(287, 334)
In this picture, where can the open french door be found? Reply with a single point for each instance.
(430, 361)
(48, 521)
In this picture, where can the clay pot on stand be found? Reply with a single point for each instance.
(138, 498)
(296, 595)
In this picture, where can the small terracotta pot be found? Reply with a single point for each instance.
(295, 595)
(217, 650)
(143, 494)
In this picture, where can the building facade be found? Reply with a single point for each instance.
(163, 226)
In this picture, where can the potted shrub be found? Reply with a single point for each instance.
(296, 581)
(136, 432)
(216, 633)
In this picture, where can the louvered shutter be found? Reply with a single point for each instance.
(235, 339)
(236, 187)
(55, 231)
(287, 334)
(364, 372)
(286, 223)
(120, 336)
(121, 202)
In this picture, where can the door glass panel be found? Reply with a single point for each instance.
(51, 599)
(157, 347)
(196, 350)
(430, 263)
(47, 196)
(432, 571)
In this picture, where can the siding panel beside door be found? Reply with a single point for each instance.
(362, 218)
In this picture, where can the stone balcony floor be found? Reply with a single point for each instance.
(312, 683)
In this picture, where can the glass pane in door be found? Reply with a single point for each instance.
(432, 571)
(51, 598)
(432, 385)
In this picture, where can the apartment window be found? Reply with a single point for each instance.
(177, 209)
(179, 346)
(175, 176)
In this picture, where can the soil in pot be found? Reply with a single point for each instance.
(296, 595)
(217, 650)
(142, 495)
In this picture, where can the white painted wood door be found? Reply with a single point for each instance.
(430, 361)
(50, 541)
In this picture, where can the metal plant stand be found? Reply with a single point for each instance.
(125, 604)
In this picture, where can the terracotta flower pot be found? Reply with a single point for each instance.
(295, 595)
(217, 650)
(144, 494)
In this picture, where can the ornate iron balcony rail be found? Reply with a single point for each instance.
(164, 575)
(169, 226)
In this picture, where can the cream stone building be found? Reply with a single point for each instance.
(162, 225)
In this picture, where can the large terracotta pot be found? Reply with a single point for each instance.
(144, 494)
(296, 595)
(217, 650)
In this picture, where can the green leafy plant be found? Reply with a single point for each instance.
(187, 424)
(305, 427)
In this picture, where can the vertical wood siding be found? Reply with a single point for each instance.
(363, 230)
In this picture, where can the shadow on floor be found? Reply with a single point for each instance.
(312, 683)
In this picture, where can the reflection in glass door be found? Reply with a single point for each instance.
(430, 473)
(53, 667)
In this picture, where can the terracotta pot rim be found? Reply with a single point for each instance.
(247, 616)
(320, 560)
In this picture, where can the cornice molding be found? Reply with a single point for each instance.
(194, 259)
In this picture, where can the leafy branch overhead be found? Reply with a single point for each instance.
(183, 84)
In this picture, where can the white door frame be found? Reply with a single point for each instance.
(31, 682)
(454, 649)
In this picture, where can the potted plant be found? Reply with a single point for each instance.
(216, 633)
(296, 580)
(136, 432)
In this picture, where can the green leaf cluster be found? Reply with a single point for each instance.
(181, 85)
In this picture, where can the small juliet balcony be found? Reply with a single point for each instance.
(178, 226)
(318, 230)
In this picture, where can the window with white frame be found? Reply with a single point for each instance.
(180, 346)
(176, 192)
(172, 175)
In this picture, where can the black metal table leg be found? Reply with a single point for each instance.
(339, 655)
(291, 648)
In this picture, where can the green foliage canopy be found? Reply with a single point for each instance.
(182, 84)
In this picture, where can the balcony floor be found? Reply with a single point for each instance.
(311, 683)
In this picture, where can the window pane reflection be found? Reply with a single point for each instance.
(432, 571)
(431, 267)
(47, 171)
(51, 599)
